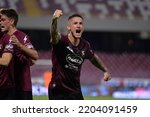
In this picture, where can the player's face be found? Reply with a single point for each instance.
(75, 26)
(5, 23)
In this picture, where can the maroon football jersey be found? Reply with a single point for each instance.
(6, 72)
(67, 61)
(22, 64)
(1, 34)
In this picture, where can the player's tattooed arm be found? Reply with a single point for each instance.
(55, 35)
(99, 64)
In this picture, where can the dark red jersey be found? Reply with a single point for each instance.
(1, 34)
(6, 72)
(22, 64)
(67, 61)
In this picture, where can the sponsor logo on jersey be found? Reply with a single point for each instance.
(9, 46)
(29, 46)
(73, 59)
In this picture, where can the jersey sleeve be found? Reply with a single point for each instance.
(21, 56)
(24, 39)
(89, 52)
(27, 42)
(60, 44)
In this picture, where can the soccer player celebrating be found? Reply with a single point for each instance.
(68, 53)
(7, 85)
(24, 53)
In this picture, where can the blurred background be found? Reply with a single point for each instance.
(118, 31)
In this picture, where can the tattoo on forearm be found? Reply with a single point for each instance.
(53, 31)
(54, 26)
(98, 63)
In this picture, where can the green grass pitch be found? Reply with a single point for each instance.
(86, 98)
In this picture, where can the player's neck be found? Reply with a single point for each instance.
(75, 41)
(12, 30)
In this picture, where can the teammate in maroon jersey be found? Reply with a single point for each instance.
(7, 85)
(68, 54)
(24, 54)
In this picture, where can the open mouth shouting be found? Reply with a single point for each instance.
(78, 31)
(2, 28)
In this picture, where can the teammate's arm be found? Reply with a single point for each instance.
(5, 59)
(55, 36)
(31, 53)
(96, 61)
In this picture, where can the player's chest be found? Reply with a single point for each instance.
(74, 51)
(74, 55)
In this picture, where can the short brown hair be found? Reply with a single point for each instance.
(75, 15)
(10, 13)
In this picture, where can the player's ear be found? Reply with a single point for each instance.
(68, 27)
(12, 21)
